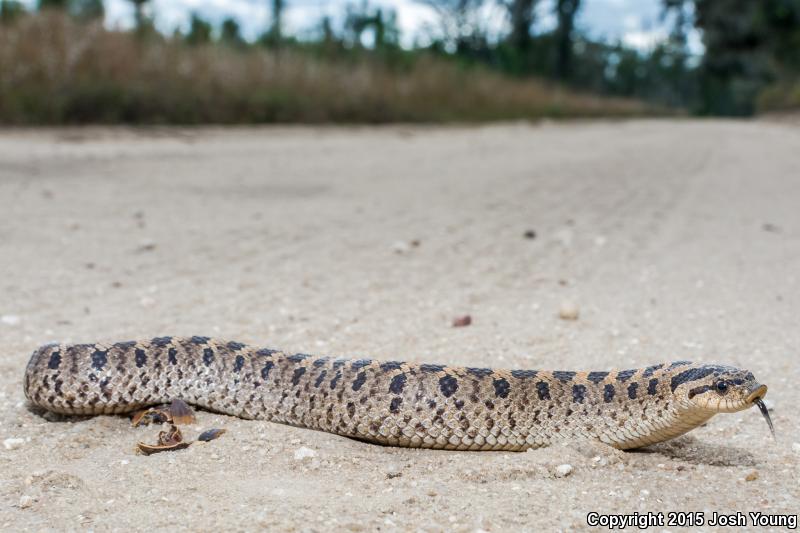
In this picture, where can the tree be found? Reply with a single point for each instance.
(10, 10)
(521, 15)
(565, 14)
(462, 28)
(382, 24)
(140, 18)
(87, 9)
(80, 9)
(276, 30)
(230, 33)
(199, 31)
(53, 4)
(747, 46)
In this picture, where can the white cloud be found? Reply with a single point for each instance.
(644, 40)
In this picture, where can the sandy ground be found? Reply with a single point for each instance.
(677, 240)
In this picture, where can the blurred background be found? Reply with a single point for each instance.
(374, 61)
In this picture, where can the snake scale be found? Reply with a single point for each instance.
(392, 403)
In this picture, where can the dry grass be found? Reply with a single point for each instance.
(56, 71)
(780, 97)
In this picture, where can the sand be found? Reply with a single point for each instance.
(668, 240)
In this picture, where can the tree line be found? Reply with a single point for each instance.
(749, 46)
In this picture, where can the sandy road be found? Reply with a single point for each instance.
(675, 239)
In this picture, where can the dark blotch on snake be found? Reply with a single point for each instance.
(698, 390)
(431, 368)
(524, 374)
(360, 363)
(320, 378)
(543, 390)
(390, 365)
(692, 374)
(459, 404)
(563, 376)
(296, 358)
(298, 373)
(161, 341)
(650, 369)
(448, 385)
(141, 358)
(199, 340)
(238, 364)
(265, 371)
(651, 387)
(596, 377)
(394, 405)
(172, 356)
(632, 390)
(322, 361)
(501, 388)
(480, 372)
(208, 356)
(55, 360)
(625, 375)
(126, 345)
(361, 378)
(578, 393)
(608, 393)
(235, 346)
(99, 359)
(397, 383)
(335, 380)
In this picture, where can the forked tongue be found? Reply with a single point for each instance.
(763, 408)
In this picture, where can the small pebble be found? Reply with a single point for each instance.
(25, 501)
(563, 470)
(568, 311)
(146, 246)
(304, 453)
(796, 447)
(400, 247)
(751, 476)
(393, 471)
(13, 443)
(530, 234)
(462, 321)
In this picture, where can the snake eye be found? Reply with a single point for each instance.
(721, 387)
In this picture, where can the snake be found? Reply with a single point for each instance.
(391, 402)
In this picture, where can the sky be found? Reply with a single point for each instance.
(636, 23)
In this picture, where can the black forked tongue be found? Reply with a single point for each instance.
(763, 408)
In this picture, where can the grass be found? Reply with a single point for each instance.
(54, 70)
(780, 97)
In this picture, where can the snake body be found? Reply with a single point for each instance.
(393, 403)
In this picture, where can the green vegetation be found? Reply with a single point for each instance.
(61, 65)
(57, 70)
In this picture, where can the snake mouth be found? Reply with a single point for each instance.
(755, 397)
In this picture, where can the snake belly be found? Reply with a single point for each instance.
(386, 402)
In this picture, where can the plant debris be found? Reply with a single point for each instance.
(211, 434)
(462, 321)
(178, 412)
(167, 441)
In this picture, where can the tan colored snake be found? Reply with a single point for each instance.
(394, 403)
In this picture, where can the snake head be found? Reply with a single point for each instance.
(721, 389)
